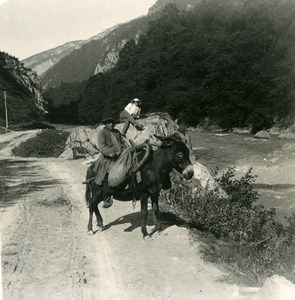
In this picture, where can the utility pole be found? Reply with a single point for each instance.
(6, 115)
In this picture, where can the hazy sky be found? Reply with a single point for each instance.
(28, 27)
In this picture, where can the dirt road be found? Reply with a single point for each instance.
(47, 254)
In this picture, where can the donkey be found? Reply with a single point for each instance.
(172, 154)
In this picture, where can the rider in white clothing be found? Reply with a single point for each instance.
(133, 109)
(129, 114)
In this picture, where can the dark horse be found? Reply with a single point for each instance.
(172, 154)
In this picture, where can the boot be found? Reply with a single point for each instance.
(139, 127)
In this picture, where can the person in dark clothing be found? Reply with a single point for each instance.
(110, 146)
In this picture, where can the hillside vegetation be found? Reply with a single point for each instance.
(23, 91)
(231, 62)
(247, 240)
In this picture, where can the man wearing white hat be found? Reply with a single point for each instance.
(129, 114)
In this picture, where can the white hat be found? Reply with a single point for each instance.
(135, 100)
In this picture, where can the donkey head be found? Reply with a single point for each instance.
(177, 155)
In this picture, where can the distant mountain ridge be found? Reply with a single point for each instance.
(97, 55)
(43, 61)
(77, 61)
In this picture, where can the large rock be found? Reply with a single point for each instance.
(262, 135)
(83, 140)
(205, 180)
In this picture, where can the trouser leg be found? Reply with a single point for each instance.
(126, 126)
(127, 118)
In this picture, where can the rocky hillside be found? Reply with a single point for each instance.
(41, 62)
(77, 61)
(97, 55)
(23, 91)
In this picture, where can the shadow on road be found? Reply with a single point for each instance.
(134, 219)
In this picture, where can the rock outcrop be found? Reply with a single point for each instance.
(262, 135)
(43, 61)
(83, 140)
(23, 90)
(24, 77)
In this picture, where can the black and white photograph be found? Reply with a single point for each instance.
(147, 150)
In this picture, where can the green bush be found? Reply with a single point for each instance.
(247, 237)
(48, 143)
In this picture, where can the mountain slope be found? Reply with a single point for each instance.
(23, 90)
(228, 64)
(43, 61)
(97, 55)
(76, 61)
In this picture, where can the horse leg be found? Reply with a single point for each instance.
(156, 212)
(97, 200)
(90, 230)
(94, 200)
(144, 213)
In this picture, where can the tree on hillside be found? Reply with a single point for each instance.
(63, 102)
(94, 104)
(231, 62)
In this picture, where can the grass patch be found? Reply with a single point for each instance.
(239, 235)
(48, 143)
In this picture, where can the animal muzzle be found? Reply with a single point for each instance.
(188, 172)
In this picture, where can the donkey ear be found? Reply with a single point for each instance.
(167, 143)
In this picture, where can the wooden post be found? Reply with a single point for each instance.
(6, 114)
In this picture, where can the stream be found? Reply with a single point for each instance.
(272, 160)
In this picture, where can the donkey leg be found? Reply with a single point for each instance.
(144, 213)
(89, 200)
(99, 220)
(94, 200)
(156, 212)
(89, 227)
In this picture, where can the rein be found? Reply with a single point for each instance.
(144, 159)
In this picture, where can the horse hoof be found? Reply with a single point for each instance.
(90, 232)
(147, 238)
